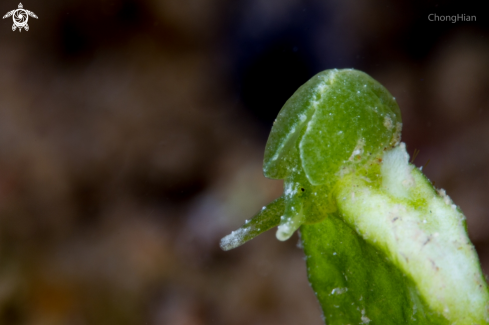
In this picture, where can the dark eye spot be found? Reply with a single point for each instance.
(302, 189)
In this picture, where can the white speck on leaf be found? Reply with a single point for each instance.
(339, 291)
(388, 123)
(365, 319)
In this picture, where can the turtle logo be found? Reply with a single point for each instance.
(20, 17)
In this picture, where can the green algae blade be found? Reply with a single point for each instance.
(396, 252)
(355, 283)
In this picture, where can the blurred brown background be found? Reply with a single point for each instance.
(132, 135)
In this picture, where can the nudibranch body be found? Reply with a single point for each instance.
(382, 244)
(337, 120)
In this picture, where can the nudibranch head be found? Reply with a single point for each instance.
(337, 118)
(338, 121)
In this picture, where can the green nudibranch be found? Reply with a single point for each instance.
(382, 245)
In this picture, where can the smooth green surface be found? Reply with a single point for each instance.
(354, 281)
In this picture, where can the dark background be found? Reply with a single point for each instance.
(132, 137)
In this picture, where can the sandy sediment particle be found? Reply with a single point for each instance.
(358, 151)
(388, 122)
(396, 137)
